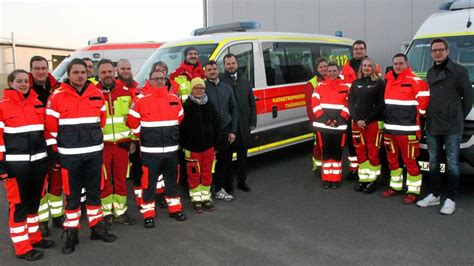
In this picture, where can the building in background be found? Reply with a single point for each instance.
(386, 25)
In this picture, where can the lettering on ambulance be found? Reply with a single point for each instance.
(286, 97)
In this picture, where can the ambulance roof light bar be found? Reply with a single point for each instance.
(97, 40)
(229, 27)
(452, 5)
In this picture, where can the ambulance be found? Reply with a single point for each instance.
(99, 49)
(452, 23)
(278, 66)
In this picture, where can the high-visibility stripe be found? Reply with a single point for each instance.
(44, 216)
(32, 229)
(2, 125)
(134, 113)
(317, 108)
(17, 239)
(422, 93)
(345, 110)
(103, 109)
(23, 129)
(18, 229)
(111, 120)
(413, 189)
(54, 134)
(403, 128)
(137, 130)
(2, 148)
(332, 106)
(117, 135)
(396, 185)
(401, 102)
(173, 201)
(181, 112)
(25, 157)
(166, 123)
(159, 149)
(50, 142)
(79, 120)
(73, 215)
(72, 151)
(31, 220)
(413, 183)
(55, 204)
(396, 179)
(422, 112)
(56, 211)
(53, 113)
(315, 94)
(321, 125)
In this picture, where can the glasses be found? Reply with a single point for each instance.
(436, 51)
(157, 79)
(40, 68)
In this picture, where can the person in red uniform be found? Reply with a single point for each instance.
(23, 163)
(154, 118)
(125, 75)
(190, 67)
(366, 105)
(43, 83)
(406, 98)
(75, 115)
(170, 84)
(349, 74)
(329, 104)
(321, 72)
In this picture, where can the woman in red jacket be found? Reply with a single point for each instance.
(23, 163)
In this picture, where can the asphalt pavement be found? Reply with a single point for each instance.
(287, 219)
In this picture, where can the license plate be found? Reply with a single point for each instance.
(425, 166)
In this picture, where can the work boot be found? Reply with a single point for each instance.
(178, 216)
(197, 207)
(335, 185)
(149, 222)
(410, 199)
(31, 255)
(125, 219)
(208, 205)
(108, 220)
(44, 244)
(160, 199)
(58, 221)
(70, 241)
(326, 184)
(100, 232)
(389, 193)
(369, 188)
(44, 229)
(242, 185)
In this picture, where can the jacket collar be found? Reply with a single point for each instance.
(52, 81)
(17, 96)
(160, 92)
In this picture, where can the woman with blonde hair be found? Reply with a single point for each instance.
(366, 105)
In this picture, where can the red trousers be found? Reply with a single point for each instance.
(55, 182)
(199, 168)
(396, 145)
(367, 142)
(331, 144)
(116, 164)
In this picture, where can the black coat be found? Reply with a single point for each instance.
(366, 99)
(222, 98)
(199, 130)
(245, 104)
(450, 99)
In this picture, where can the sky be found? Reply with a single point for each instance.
(71, 23)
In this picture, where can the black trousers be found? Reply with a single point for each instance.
(82, 173)
(168, 166)
(223, 172)
(29, 178)
(241, 163)
(332, 145)
(136, 171)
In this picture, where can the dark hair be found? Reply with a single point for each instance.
(153, 71)
(87, 59)
(359, 42)
(105, 61)
(332, 63)
(401, 55)
(187, 50)
(210, 63)
(319, 61)
(11, 77)
(440, 40)
(37, 58)
(161, 64)
(75, 61)
(229, 55)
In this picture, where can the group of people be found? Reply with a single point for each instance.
(357, 106)
(69, 147)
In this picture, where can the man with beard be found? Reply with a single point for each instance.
(247, 121)
(190, 68)
(124, 74)
(117, 140)
(43, 83)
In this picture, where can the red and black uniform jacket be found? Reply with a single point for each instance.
(329, 104)
(406, 97)
(76, 119)
(22, 136)
(44, 91)
(154, 117)
(190, 71)
(366, 99)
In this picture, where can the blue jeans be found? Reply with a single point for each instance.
(435, 150)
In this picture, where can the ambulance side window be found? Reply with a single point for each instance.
(244, 54)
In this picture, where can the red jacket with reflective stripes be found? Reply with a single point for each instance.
(329, 102)
(76, 120)
(154, 117)
(190, 71)
(22, 135)
(406, 97)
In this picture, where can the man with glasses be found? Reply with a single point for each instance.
(450, 103)
(43, 83)
(90, 70)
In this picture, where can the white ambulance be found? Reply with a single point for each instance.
(278, 66)
(453, 24)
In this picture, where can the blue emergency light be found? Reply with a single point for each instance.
(97, 40)
(228, 27)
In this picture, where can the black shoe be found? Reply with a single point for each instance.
(149, 222)
(208, 205)
(100, 232)
(44, 244)
(352, 175)
(360, 186)
(160, 199)
(70, 241)
(242, 185)
(326, 184)
(108, 220)
(31, 255)
(335, 185)
(58, 222)
(230, 189)
(125, 219)
(370, 188)
(44, 229)
(178, 216)
(197, 207)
